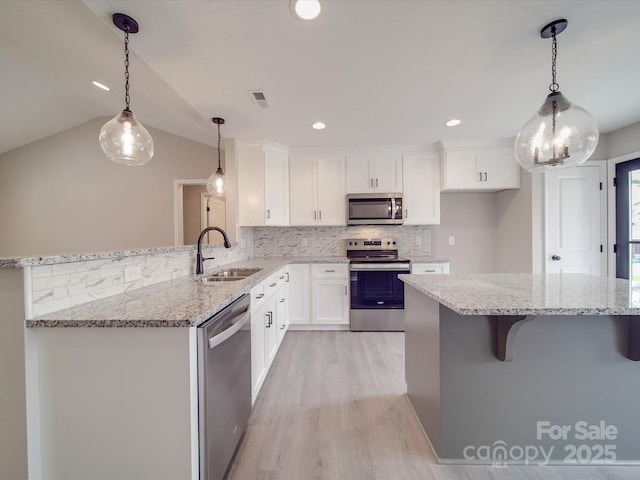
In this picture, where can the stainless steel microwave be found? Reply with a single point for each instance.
(374, 209)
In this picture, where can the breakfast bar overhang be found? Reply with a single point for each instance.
(524, 368)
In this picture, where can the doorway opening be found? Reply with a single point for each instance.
(627, 250)
(194, 210)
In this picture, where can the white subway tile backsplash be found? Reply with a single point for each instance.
(62, 285)
(41, 271)
(52, 306)
(330, 241)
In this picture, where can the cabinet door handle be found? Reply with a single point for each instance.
(272, 284)
(371, 182)
(485, 176)
(319, 214)
(281, 327)
(315, 215)
(329, 271)
(268, 213)
(259, 296)
(479, 176)
(406, 213)
(376, 183)
(287, 274)
(282, 300)
(430, 271)
(269, 320)
(345, 289)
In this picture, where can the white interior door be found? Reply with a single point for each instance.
(213, 210)
(575, 220)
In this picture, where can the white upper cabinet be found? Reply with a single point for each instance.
(481, 168)
(421, 189)
(263, 183)
(317, 189)
(368, 173)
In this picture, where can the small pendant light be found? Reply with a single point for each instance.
(560, 134)
(123, 139)
(216, 184)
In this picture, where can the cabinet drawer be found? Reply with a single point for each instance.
(330, 270)
(271, 284)
(282, 277)
(429, 268)
(258, 296)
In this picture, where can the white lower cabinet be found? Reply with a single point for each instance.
(268, 326)
(330, 294)
(318, 295)
(258, 339)
(282, 303)
(429, 268)
(299, 290)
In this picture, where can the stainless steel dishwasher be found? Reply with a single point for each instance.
(224, 386)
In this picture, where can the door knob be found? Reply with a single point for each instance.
(555, 258)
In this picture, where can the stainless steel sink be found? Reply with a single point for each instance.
(230, 275)
(236, 272)
(211, 279)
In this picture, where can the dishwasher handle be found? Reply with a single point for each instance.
(227, 333)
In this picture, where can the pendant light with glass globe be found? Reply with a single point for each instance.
(216, 184)
(560, 134)
(123, 139)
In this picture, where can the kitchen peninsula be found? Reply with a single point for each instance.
(524, 368)
(111, 384)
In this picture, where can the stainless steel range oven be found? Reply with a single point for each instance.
(377, 296)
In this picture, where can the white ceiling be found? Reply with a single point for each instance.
(377, 72)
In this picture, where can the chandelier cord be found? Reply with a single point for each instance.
(554, 55)
(127, 98)
(219, 165)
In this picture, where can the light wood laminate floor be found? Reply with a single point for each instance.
(334, 407)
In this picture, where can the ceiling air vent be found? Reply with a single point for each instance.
(259, 99)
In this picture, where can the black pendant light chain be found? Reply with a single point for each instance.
(219, 165)
(127, 98)
(554, 55)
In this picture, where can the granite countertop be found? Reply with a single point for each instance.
(528, 294)
(425, 259)
(183, 302)
(30, 261)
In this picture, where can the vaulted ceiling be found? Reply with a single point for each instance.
(377, 72)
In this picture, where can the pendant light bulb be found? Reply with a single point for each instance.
(560, 134)
(123, 139)
(216, 183)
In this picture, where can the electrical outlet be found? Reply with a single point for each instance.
(452, 240)
(418, 241)
(305, 242)
(132, 273)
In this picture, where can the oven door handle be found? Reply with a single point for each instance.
(379, 267)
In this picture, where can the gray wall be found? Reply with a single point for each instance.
(62, 195)
(472, 219)
(514, 235)
(623, 141)
(13, 419)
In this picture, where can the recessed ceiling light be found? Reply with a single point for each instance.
(101, 85)
(453, 122)
(305, 9)
(318, 125)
